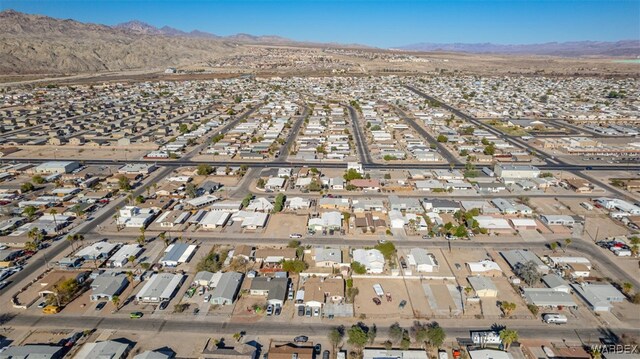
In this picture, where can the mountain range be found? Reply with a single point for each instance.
(144, 28)
(566, 49)
(35, 44)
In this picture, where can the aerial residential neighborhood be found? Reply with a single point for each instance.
(255, 197)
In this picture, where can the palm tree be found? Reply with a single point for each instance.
(53, 213)
(77, 211)
(508, 336)
(31, 246)
(335, 337)
(142, 230)
(132, 260)
(567, 242)
(30, 211)
(116, 301)
(71, 239)
(553, 246)
(130, 276)
(116, 218)
(507, 308)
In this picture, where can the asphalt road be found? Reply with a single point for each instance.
(361, 143)
(231, 124)
(453, 328)
(283, 154)
(444, 151)
(280, 163)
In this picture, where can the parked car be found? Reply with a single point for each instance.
(325, 354)
(426, 236)
(318, 348)
(196, 311)
(278, 310)
(207, 298)
(300, 310)
(308, 311)
(100, 305)
(377, 300)
(316, 312)
(163, 305)
(135, 315)
(402, 304)
(301, 339)
(269, 309)
(295, 235)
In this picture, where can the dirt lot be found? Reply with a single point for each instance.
(282, 224)
(365, 305)
(119, 153)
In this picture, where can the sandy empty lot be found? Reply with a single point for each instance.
(283, 224)
(364, 303)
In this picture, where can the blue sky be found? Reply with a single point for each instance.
(377, 23)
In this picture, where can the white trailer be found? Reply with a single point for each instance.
(555, 318)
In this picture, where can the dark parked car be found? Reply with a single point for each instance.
(301, 339)
(100, 305)
(301, 310)
(377, 300)
(402, 304)
(318, 348)
(325, 354)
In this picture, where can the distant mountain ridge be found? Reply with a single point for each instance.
(147, 29)
(567, 49)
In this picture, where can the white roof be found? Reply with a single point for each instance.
(523, 222)
(489, 222)
(367, 257)
(489, 354)
(250, 219)
(96, 249)
(483, 266)
(125, 252)
(161, 285)
(218, 218)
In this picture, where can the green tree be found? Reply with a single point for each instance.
(352, 174)
(357, 336)
(436, 335)
(567, 242)
(29, 211)
(279, 203)
(294, 266)
(507, 308)
(27, 187)
(261, 182)
(335, 336)
(442, 138)
(191, 190)
(246, 200)
(37, 179)
(123, 183)
(358, 268)
(627, 288)
(508, 336)
(116, 301)
(204, 169)
(528, 272)
(395, 332)
(553, 246)
(388, 249)
(490, 150)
